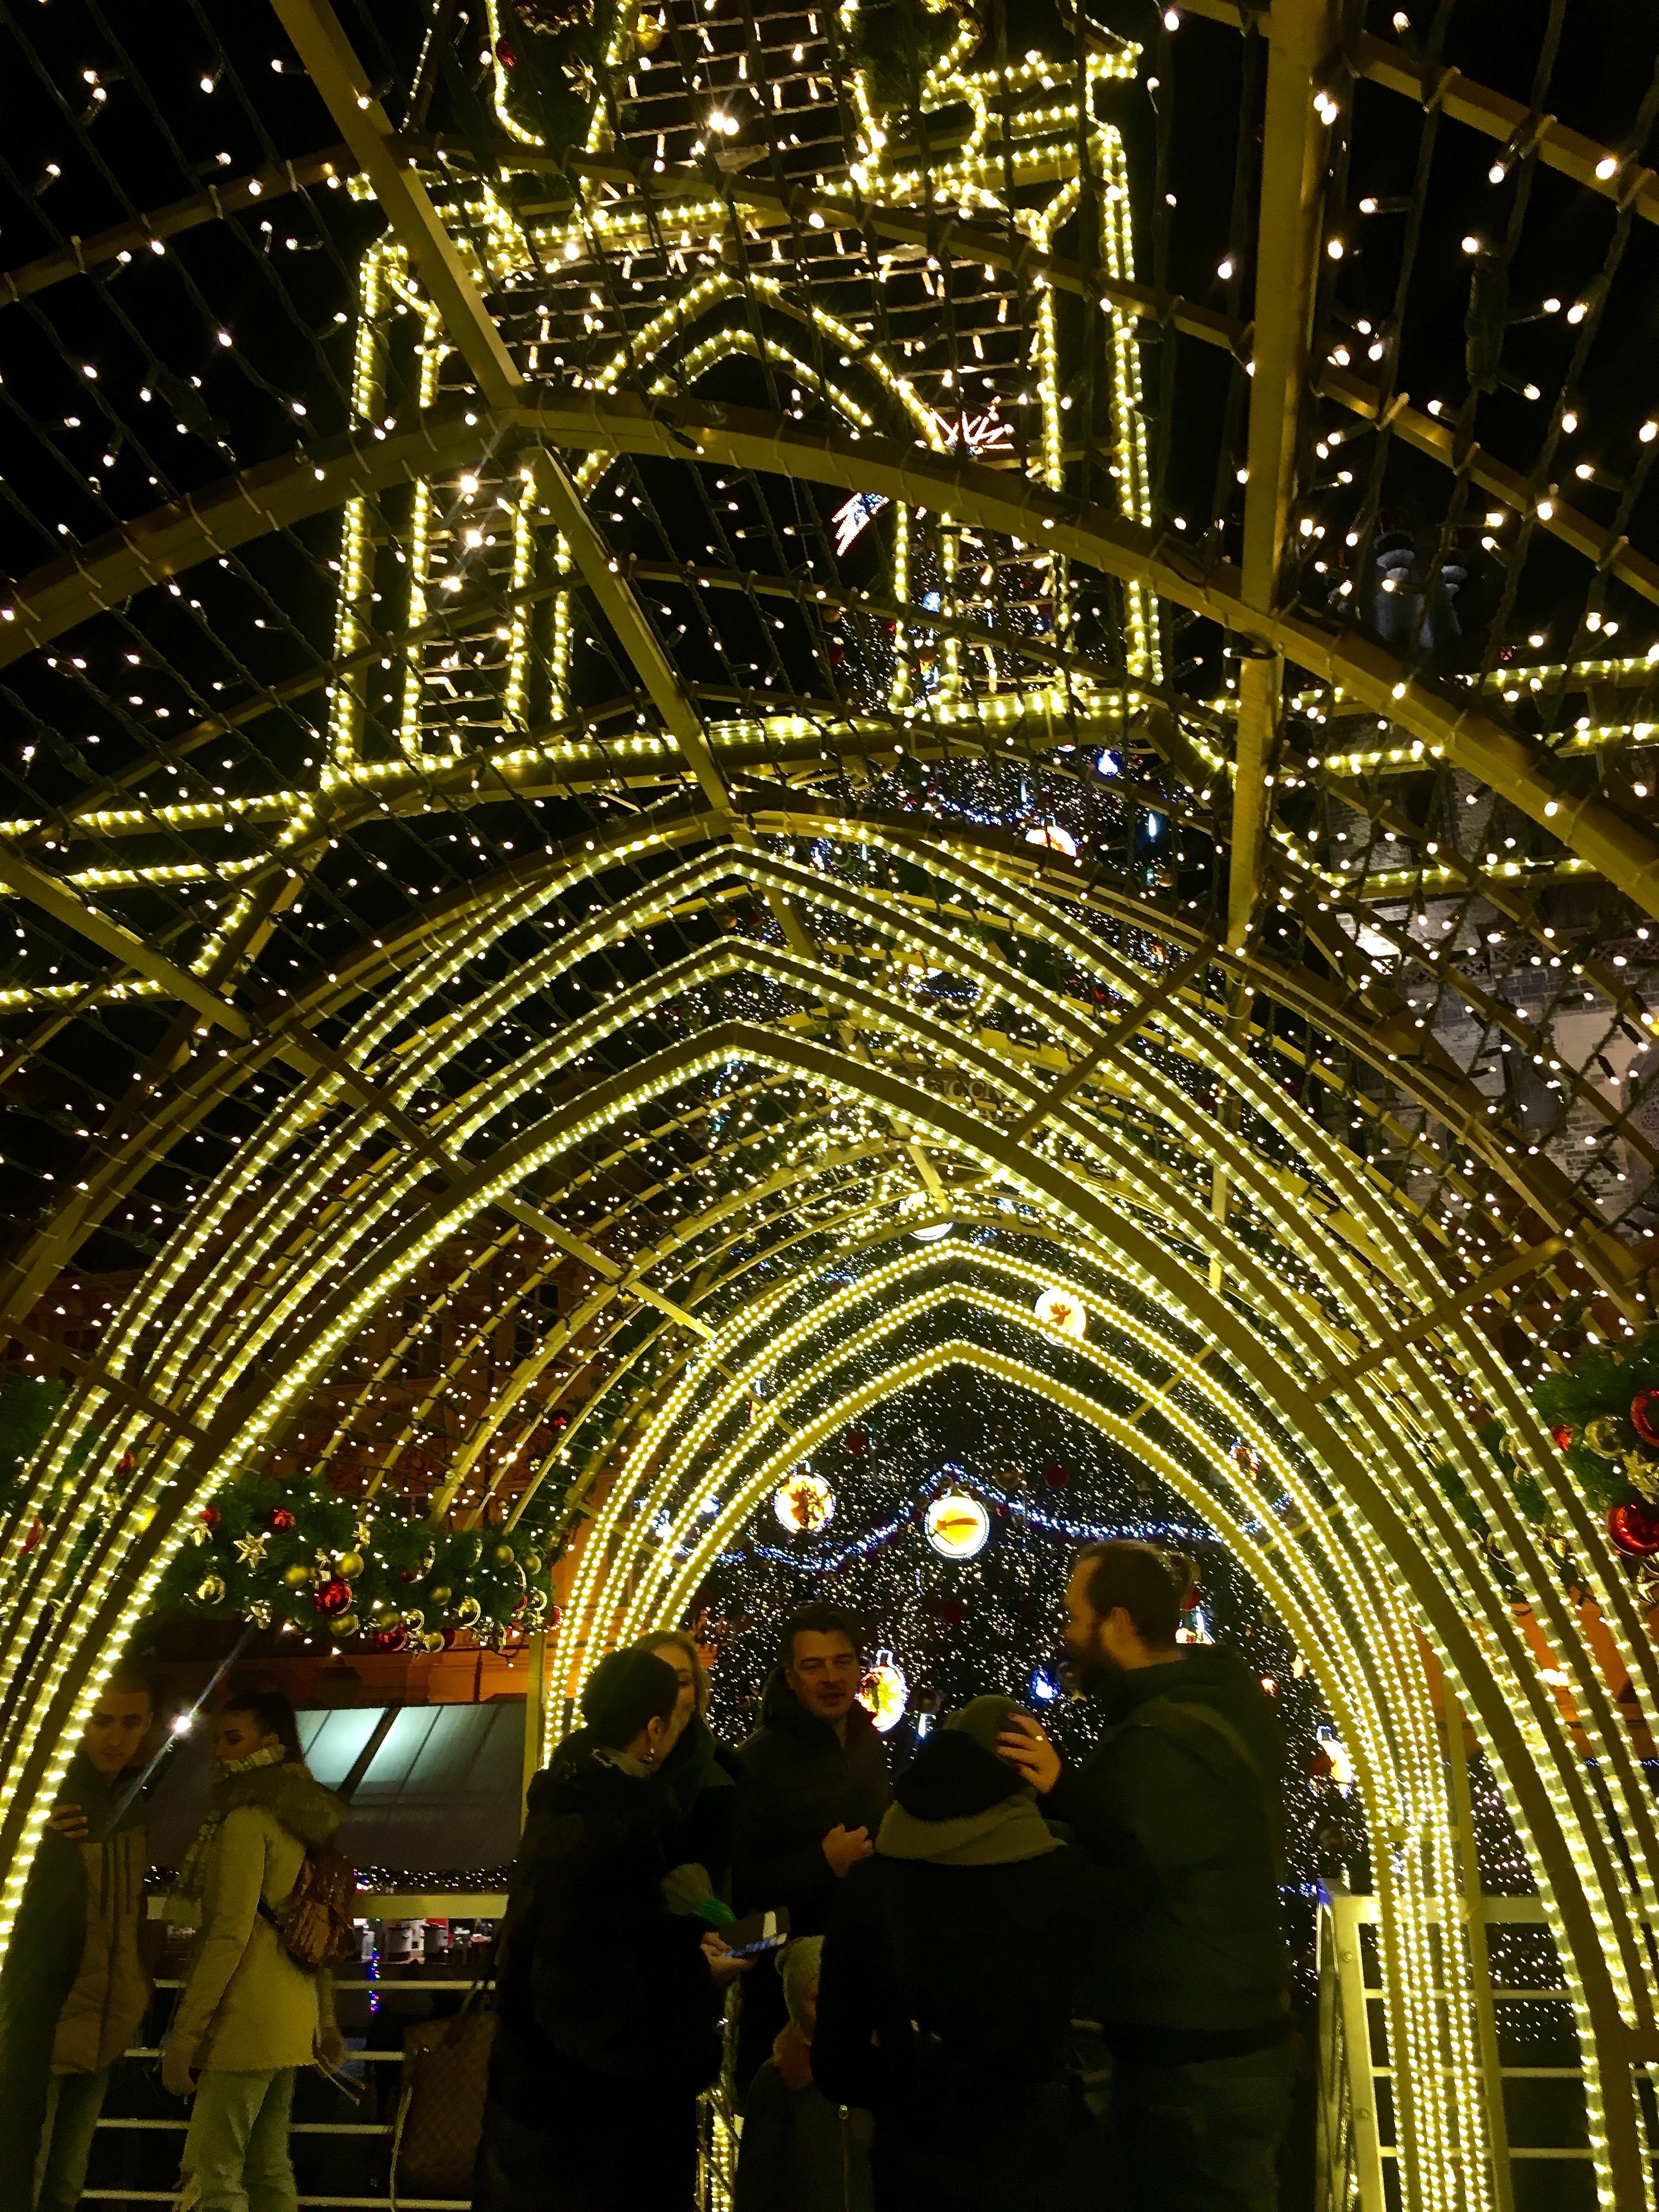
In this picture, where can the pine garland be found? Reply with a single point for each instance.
(269, 1550)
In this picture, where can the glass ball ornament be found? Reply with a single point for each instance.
(332, 1599)
(804, 1504)
(1063, 1310)
(296, 1576)
(210, 1590)
(280, 1521)
(1644, 1415)
(351, 1565)
(883, 1693)
(1634, 1528)
(956, 1525)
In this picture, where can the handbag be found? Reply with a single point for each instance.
(440, 2105)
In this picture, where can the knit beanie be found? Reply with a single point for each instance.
(798, 1968)
(984, 1719)
(623, 1691)
(958, 1772)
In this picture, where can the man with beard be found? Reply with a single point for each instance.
(814, 1786)
(1178, 1804)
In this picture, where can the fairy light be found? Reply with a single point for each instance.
(1306, 1276)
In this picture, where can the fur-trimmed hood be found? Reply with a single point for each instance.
(289, 1793)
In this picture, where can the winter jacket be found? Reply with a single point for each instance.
(698, 1779)
(798, 2152)
(948, 1982)
(608, 2014)
(73, 1990)
(1181, 1817)
(797, 1781)
(245, 2006)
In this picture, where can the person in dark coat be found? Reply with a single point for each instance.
(1179, 1806)
(949, 1975)
(608, 2003)
(699, 1774)
(798, 2152)
(812, 1790)
(73, 1988)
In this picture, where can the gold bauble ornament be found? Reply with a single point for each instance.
(649, 32)
(505, 1555)
(296, 1576)
(345, 1626)
(351, 1565)
(441, 1594)
(210, 1590)
(468, 1611)
(532, 1563)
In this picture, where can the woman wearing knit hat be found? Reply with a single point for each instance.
(948, 1982)
(609, 2002)
(798, 2152)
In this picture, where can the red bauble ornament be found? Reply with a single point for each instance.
(858, 1443)
(506, 53)
(553, 1616)
(1055, 1475)
(209, 1517)
(280, 1521)
(1644, 1415)
(1634, 1528)
(1561, 1436)
(389, 1639)
(333, 1598)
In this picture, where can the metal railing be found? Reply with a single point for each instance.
(1356, 2138)
(381, 1984)
(380, 1980)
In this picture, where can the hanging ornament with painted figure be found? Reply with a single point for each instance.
(883, 1693)
(804, 1504)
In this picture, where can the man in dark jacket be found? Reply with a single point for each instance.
(74, 1988)
(949, 1984)
(609, 2002)
(1178, 1804)
(814, 1786)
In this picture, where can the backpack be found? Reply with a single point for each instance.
(314, 1922)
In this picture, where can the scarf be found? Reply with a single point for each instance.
(193, 1874)
(1000, 1836)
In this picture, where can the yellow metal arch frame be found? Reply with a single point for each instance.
(1365, 1459)
(1367, 1666)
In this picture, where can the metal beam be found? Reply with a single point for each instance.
(341, 79)
(602, 573)
(141, 234)
(1624, 851)
(57, 899)
(347, 89)
(1302, 42)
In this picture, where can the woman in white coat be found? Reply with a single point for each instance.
(249, 2017)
